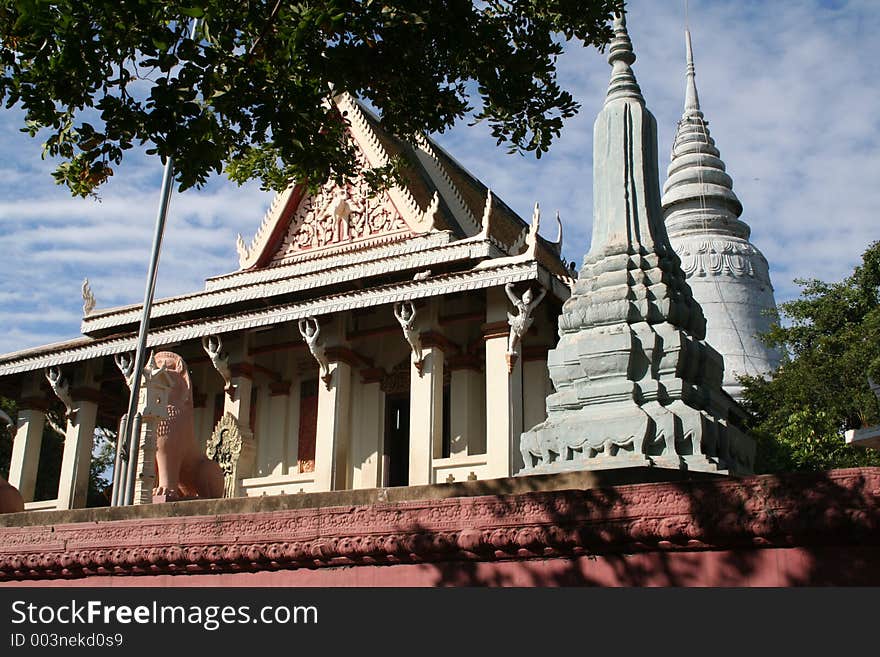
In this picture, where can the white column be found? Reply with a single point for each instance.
(203, 416)
(425, 413)
(26, 446)
(238, 403)
(367, 440)
(73, 483)
(28, 437)
(467, 423)
(332, 435)
(504, 423)
(272, 442)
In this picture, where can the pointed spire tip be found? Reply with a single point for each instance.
(692, 98)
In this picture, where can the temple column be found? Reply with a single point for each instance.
(467, 401)
(367, 447)
(79, 437)
(28, 438)
(334, 426)
(237, 401)
(426, 410)
(203, 405)
(272, 445)
(504, 420)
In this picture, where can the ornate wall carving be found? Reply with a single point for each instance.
(824, 509)
(338, 215)
(723, 257)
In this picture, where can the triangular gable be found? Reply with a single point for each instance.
(342, 216)
(299, 224)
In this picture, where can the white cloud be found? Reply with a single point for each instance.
(787, 86)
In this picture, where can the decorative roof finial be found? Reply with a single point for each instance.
(88, 298)
(621, 57)
(691, 100)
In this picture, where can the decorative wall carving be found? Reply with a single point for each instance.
(336, 215)
(397, 380)
(707, 257)
(61, 388)
(831, 508)
(125, 364)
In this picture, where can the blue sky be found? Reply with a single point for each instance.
(786, 85)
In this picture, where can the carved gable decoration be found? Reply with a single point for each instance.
(342, 215)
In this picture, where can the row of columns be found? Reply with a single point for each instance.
(487, 416)
(79, 434)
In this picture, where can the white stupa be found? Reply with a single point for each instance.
(728, 275)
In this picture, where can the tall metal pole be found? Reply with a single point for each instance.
(140, 353)
(118, 479)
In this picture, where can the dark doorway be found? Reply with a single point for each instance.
(397, 440)
(308, 425)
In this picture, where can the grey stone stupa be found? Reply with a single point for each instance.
(728, 276)
(635, 383)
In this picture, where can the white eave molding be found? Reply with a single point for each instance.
(388, 294)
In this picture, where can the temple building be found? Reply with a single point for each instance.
(367, 340)
(410, 387)
(727, 274)
(426, 334)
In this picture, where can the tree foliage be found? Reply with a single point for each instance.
(831, 344)
(250, 93)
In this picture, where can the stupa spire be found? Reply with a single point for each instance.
(697, 174)
(621, 56)
(727, 274)
(634, 383)
(692, 98)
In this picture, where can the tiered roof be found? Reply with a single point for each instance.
(341, 249)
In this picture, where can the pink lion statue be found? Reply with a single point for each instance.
(10, 498)
(182, 470)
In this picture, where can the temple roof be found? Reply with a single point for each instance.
(497, 272)
(343, 248)
(349, 235)
(437, 194)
